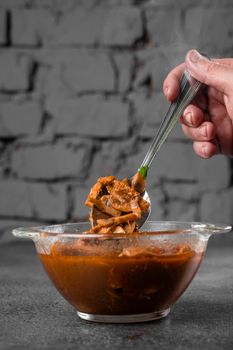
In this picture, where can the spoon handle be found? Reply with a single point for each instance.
(188, 90)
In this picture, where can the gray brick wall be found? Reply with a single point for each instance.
(81, 96)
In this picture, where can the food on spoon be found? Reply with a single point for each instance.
(116, 204)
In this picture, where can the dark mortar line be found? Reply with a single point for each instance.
(70, 202)
(32, 76)
(180, 181)
(8, 139)
(144, 39)
(84, 47)
(8, 28)
(12, 92)
(116, 72)
(113, 93)
(121, 48)
(170, 140)
(45, 120)
(177, 181)
(111, 138)
(133, 74)
(183, 200)
(96, 148)
(134, 127)
(66, 180)
(33, 47)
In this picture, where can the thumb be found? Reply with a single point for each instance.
(211, 73)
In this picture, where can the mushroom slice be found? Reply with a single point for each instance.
(120, 201)
(118, 220)
(109, 229)
(130, 227)
(95, 215)
(94, 193)
(135, 207)
(119, 229)
(104, 208)
(144, 205)
(138, 182)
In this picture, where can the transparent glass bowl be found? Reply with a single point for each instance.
(121, 278)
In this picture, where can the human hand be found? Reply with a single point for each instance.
(208, 121)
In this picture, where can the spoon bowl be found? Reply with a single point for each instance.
(145, 215)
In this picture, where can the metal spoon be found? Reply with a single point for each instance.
(189, 87)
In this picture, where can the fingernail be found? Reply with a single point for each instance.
(167, 91)
(188, 117)
(204, 151)
(203, 131)
(194, 56)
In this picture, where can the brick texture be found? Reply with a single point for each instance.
(148, 111)
(31, 27)
(198, 23)
(83, 26)
(33, 200)
(109, 25)
(124, 65)
(79, 211)
(87, 71)
(90, 116)
(16, 199)
(16, 73)
(123, 26)
(214, 174)
(163, 25)
(17, 119)
(217, 207)
(81, 97)
(60, 160)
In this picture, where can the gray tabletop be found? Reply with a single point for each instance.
(34, 316)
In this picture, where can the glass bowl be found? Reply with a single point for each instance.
(122, 278)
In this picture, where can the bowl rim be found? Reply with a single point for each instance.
(191, 227)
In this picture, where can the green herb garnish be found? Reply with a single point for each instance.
(143, 171)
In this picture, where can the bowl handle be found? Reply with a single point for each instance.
(208, 229)
(26, 232)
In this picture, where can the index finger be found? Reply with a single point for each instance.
(171, 84)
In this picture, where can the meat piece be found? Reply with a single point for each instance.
(118, 220)
(135, 207)
(144, 205)
(130, 227)
(97, 189)
(94, 193)
(118, 186)
(138, 183)
(121, 200)
(106, 180)
(99, 203)
(96, 214)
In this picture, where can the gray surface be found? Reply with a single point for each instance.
(34, 316)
